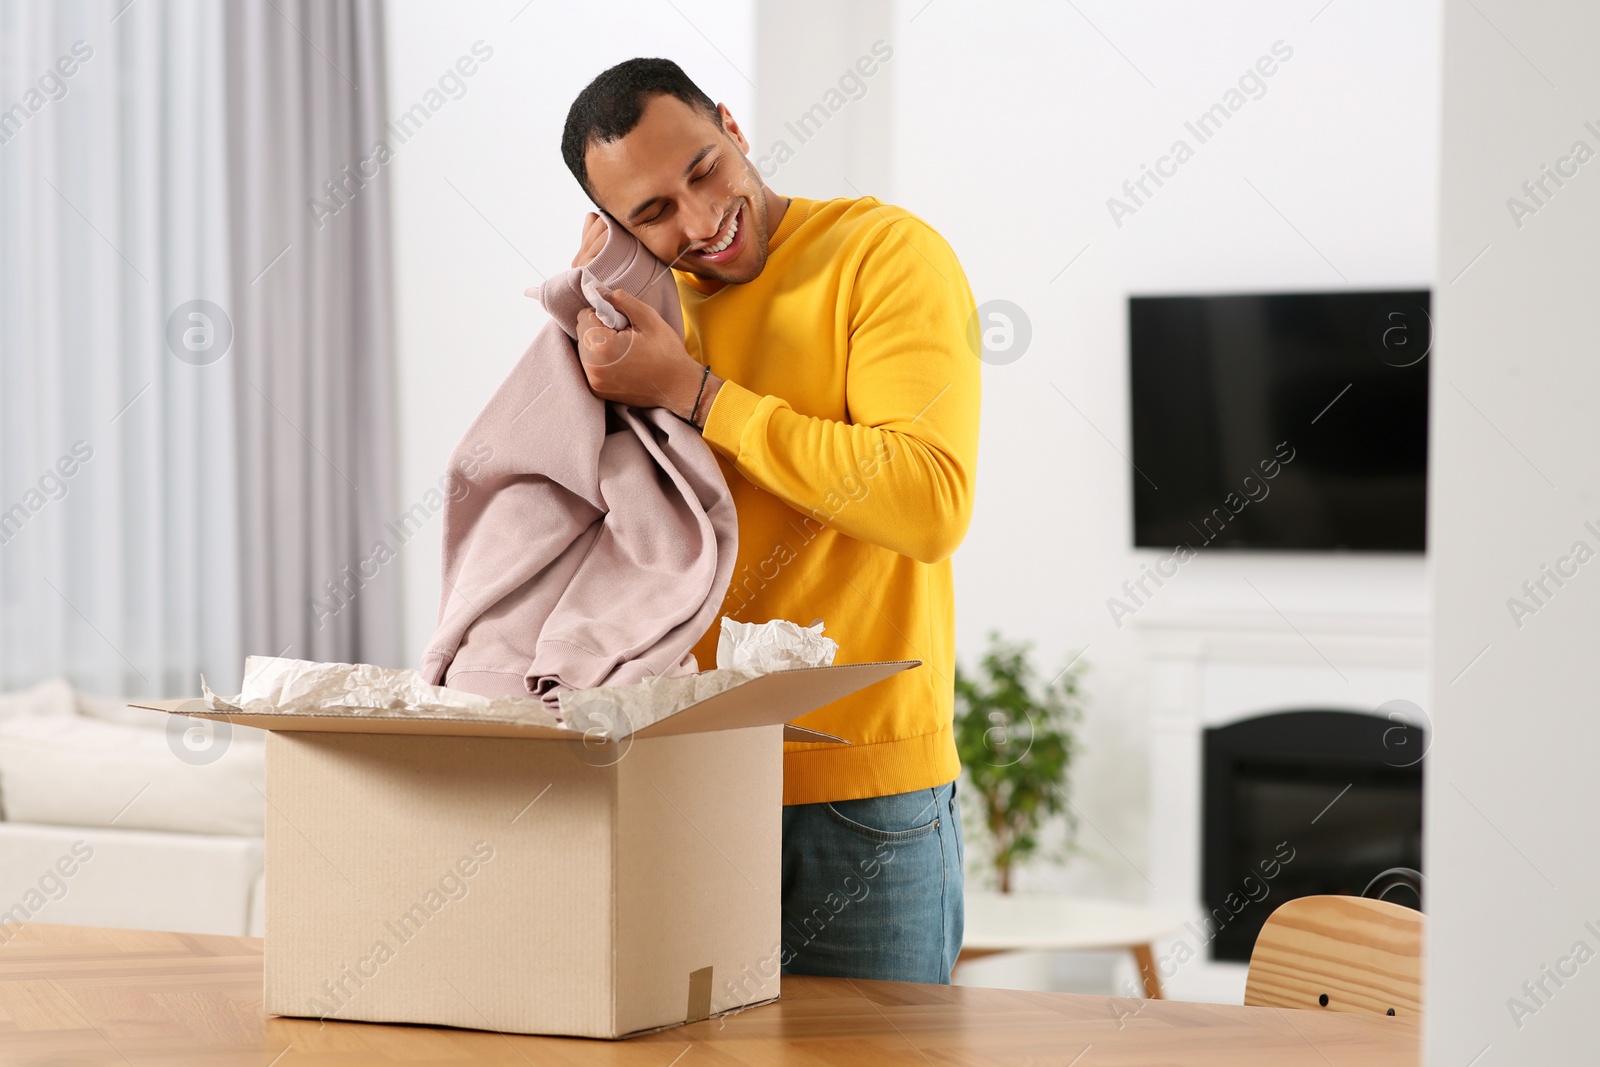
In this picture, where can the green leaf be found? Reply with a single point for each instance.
(1017, 742)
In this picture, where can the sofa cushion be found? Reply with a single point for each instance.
(80, 771)
(53, 696)
(116, 709)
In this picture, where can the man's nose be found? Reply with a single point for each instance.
(705, 224)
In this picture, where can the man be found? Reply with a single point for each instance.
(842, 405)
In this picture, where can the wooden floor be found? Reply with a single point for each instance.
(82, 995)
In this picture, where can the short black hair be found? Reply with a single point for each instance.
(610, 106)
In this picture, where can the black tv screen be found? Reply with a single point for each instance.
(1280, 421)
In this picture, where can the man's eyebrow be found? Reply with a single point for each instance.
(693, 163)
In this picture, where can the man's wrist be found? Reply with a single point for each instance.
(702, 410)
(693, 399)
(682, 401)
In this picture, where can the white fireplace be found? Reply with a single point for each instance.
(1218, 668)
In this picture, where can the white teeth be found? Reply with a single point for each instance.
(726, 241)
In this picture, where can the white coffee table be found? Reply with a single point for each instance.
(1018, 922)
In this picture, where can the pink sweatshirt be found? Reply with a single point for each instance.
(594, 544)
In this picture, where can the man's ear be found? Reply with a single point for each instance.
(731, 126)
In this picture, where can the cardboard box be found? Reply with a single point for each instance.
(494, 875)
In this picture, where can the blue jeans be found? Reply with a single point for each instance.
(873, 888)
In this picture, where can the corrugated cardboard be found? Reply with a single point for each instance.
(493, 875)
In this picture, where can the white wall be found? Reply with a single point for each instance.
(1014, 124)
(1514, 876)
(483, 204)
(821, 52)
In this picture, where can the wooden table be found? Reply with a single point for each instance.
(85, 995)
(1016, 922)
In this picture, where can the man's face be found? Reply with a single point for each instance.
(683, 186)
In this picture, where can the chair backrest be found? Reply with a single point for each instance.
(1339, 954)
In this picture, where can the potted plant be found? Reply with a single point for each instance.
(1017, 742)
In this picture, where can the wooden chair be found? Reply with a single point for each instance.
(1339, 953)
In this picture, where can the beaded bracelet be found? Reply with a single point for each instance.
(704, 374)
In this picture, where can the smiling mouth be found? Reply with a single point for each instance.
(727, 244)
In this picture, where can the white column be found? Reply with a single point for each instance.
(1513, 873)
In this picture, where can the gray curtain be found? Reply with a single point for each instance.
(314, 385)
(197, 430)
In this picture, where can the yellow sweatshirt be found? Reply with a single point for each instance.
(847, 428)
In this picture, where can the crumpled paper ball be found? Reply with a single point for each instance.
(779, 645)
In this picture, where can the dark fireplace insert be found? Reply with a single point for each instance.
(1298, 803)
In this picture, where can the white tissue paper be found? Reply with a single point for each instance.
(779, 645)
(285, 686)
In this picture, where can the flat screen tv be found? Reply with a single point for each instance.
(1278, 421)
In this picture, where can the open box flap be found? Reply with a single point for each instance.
(409, 724)
(791, 732)
(769, 699)
(372, 723)
(765, 700)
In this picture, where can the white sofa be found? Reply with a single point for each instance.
(117, 816)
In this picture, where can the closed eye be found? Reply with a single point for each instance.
(657, 217)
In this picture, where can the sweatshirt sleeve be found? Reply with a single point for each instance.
(899, 472)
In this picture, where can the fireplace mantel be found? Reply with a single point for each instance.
(1266, 636)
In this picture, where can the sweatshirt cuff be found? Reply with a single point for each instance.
(731, 411)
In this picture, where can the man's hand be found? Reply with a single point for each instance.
(594, 239)
(644, 364)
